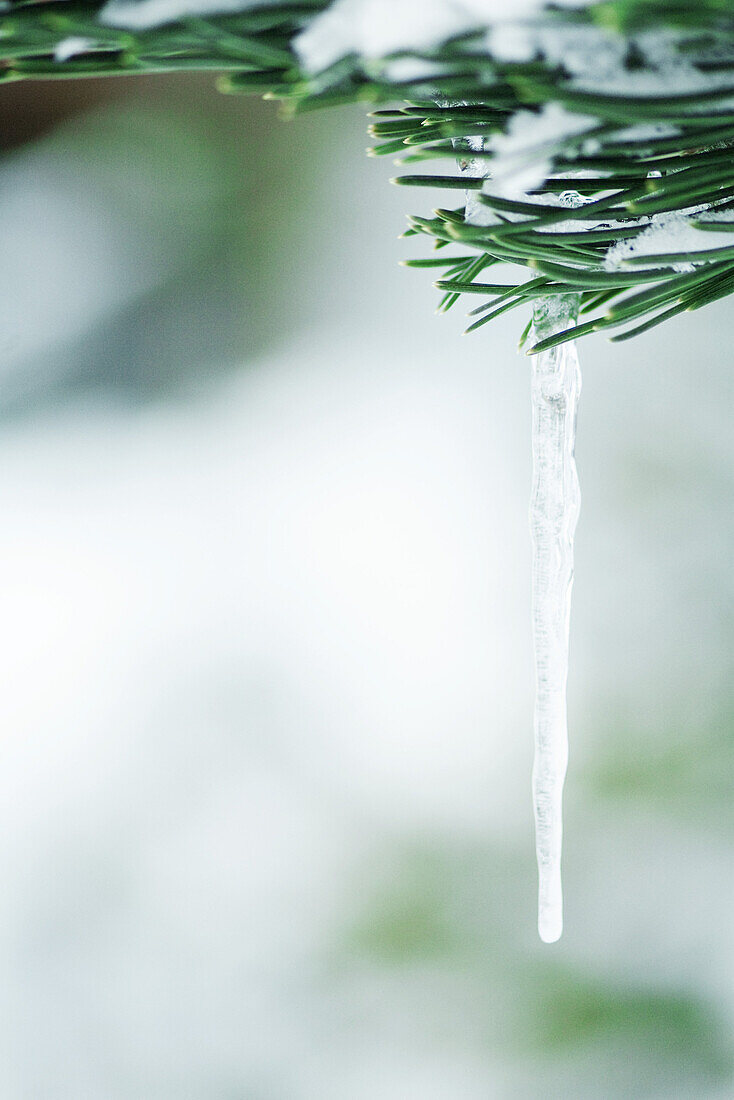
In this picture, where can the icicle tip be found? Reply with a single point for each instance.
(550, 927)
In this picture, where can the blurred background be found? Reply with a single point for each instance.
(265, 819)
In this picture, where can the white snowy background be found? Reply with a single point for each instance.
(265, 825)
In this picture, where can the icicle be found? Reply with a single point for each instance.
(554, 507)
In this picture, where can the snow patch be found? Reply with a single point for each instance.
(72, 47)
(598, 59)
(523, 154)
(401, 70)
(138, 15)
(668, 232)
(377, 28)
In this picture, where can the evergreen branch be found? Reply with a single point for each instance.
(603, 175)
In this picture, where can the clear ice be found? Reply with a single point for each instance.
(554, 508)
